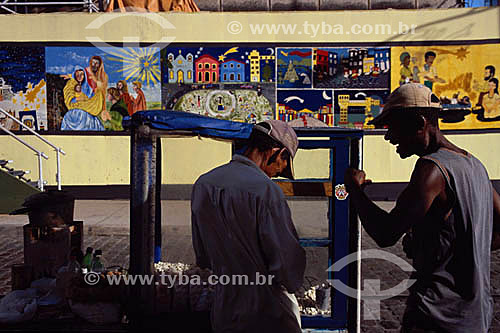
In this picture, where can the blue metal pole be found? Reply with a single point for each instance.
(341, 228)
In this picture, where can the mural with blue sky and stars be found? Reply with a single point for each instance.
(23, 86)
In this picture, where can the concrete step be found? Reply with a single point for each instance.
(18, 173)
(5, 162)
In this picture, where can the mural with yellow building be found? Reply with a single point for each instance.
(255, 58)
(356, 108)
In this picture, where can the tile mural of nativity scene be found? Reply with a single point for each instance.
(93, 89)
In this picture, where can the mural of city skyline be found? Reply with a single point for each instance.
(357, 68)
(80, 88)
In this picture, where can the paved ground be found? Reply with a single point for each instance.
(106, 228)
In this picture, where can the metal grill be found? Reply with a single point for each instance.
(26, 6)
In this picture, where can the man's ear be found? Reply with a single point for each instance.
(271, 155)
(274, 150)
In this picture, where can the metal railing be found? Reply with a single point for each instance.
(89, 5)
(39, 153)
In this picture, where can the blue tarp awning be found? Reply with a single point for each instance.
(185, 121)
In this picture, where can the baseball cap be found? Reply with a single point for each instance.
(285, 135)
(409, 95)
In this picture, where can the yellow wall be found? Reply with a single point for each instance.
(105, 160)
(185, 159)
(229, 27)
(382, 164)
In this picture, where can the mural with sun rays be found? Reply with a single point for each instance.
(92, 89)
(138, 64)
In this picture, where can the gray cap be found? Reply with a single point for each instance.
(409, 95)
(284, 134)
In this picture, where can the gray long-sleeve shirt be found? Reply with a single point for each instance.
(241, 225)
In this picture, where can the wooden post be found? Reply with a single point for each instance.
(142, 219)
(157, 255)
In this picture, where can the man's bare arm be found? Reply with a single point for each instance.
(495, 242)
(426, 183)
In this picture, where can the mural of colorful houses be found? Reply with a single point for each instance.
(254, 65)
(234, 83)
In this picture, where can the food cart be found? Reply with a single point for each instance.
(344, 145)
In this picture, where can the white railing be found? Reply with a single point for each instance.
(89, 4)
(39, 153)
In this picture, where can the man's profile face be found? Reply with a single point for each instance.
(94, 65)
(404, 136)
(276, 167)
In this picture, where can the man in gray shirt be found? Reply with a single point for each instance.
(451, 210)
(242, 226)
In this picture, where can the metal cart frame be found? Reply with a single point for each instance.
(343, 236)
